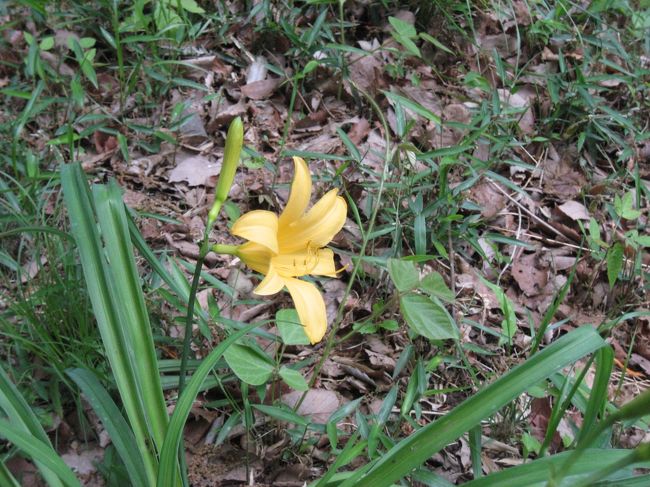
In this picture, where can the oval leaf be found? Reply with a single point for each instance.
(428, 317)
(248, 365)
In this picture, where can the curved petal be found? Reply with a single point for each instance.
(318, 262)
(300, 193)
(271, 284)
(318, 227)
(258, 226)
(255, 256)
(310, 306)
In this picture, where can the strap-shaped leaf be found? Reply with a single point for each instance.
(37, 449)
(115, 424)
(168, 467)
(411, 452)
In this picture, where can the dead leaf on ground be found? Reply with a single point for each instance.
(574, 210)
(319, 404)
(260, 90)
(489, 198)
(531, 277)
(195, 170)
(522, 99)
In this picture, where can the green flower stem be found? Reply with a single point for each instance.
(189, 318)
(225, 249)
(232, 151)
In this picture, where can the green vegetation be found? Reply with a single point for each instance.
(488, 323)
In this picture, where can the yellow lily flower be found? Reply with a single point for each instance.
(291, 245)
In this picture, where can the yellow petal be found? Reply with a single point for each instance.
(318, 262)
(271, 284)
(310, 306)
(255, 256)
(318, 227)
(258, 226)
(300, 193)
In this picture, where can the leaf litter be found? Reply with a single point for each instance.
(544, 195)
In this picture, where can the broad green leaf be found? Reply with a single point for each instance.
(614, 263)
(404, 274)
(402, 27)
(248, 365)
(192, 6)
(128, 299)
(46, 43)
(290, 328)
(428, 317)
(293, 379)
(435, 285)
(411, 452)
(625, 206)
(101, 282)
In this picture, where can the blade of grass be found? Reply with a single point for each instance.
(599, 391)
(167, 470)
(37, 449)
(21, 415)
(6, 478)
(536, 473)
(417, 448)
(115, 424)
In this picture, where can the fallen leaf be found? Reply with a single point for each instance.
(319, 404)
(260, 90)
(574, 210)
(521, 99)
(488, 197)
(195, 170)
(530, 278)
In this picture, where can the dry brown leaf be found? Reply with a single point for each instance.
(521, 99)
(319, 404)
(260, 90)
(574, 210)
(530, 278)
(489, 198)
(195, 170)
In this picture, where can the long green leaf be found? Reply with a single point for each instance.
(400, 460)
(134, 315)
(115, 424)
(536, 473)
(15, 407)
(599, 391)
(167, 470)
(6, 478)
(37, 449)
(83, 225)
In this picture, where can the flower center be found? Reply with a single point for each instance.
(298, 264)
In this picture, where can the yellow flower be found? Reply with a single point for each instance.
(291, 245)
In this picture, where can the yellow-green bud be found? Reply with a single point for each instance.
(234, 142)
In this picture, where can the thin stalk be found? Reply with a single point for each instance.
(189, 317)
(120, 54)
